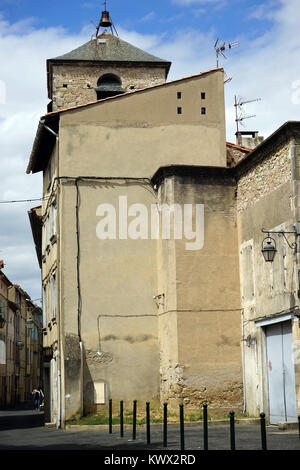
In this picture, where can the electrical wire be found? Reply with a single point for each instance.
(23, 200)
(76, 181)
(79, 306)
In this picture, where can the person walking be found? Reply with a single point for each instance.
(37, 397)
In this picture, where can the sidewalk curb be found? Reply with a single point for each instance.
(87, 427)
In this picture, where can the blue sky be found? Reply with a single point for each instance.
(227, 18)
(183, 31)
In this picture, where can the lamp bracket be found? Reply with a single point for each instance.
(281, 233)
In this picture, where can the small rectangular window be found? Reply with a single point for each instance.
(179, 95)
(203, 110)
(44, 306)
(179, 110)
(203, 96)
(54, 296)
(54, 211)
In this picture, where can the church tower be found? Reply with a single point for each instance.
(105, 66)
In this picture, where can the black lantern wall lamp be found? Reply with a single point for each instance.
(269, 249)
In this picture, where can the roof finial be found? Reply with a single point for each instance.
(106, 21)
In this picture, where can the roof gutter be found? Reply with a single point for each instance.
(45, 139)
(42, 122)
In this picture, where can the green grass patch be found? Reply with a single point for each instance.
(156, 416)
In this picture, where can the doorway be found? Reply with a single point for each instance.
(281, 373)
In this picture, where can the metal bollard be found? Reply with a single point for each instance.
(232, 431)
(165, 424)
(148, 422)
(110, 416)
(263, 431)
(205, 430)
(121, 419)
(181, 427)
(134, 421)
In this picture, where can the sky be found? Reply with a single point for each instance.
(265, 66)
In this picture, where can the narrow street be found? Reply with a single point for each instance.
(23, 429)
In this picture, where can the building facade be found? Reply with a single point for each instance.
(20, 344)
(267, 199)
(130, 309)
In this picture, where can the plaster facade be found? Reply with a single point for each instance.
(266, 200)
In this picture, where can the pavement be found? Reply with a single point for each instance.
(25, 430)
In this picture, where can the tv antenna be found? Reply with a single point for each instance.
(221, 46)
(239, 116)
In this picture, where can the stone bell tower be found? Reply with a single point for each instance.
(104, 66)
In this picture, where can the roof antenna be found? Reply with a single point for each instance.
(106, 21)
(221, 46)
(240, 117)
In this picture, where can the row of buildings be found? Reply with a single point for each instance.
(132, 314)
(20, 343)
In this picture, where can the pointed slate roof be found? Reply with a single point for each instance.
(109, 48)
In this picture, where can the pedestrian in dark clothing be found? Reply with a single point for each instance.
(37, 397)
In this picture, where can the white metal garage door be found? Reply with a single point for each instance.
(281, 373)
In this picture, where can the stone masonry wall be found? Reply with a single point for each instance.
(74, 85)
(265, 177)
(235, 155)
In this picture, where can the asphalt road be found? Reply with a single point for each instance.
(25, 430)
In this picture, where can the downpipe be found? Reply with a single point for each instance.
(81, 377)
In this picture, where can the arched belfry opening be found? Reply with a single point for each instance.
(108, 85)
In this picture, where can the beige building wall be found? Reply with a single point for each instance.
(118, 320)
(136, 134)
(200, 317)
(115, 334)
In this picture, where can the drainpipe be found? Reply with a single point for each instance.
(59, 394)
(296, 202)
(81, 377)
(42, 122)
(244, 363)
(60, 411)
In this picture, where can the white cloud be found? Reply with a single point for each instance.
(23, 50)
(266, 68)
(149, 17)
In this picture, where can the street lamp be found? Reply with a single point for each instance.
(269, 246)
(269, 249)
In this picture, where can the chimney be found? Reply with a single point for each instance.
(1, 264)
(249, 139)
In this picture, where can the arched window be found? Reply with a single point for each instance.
(108, 85)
